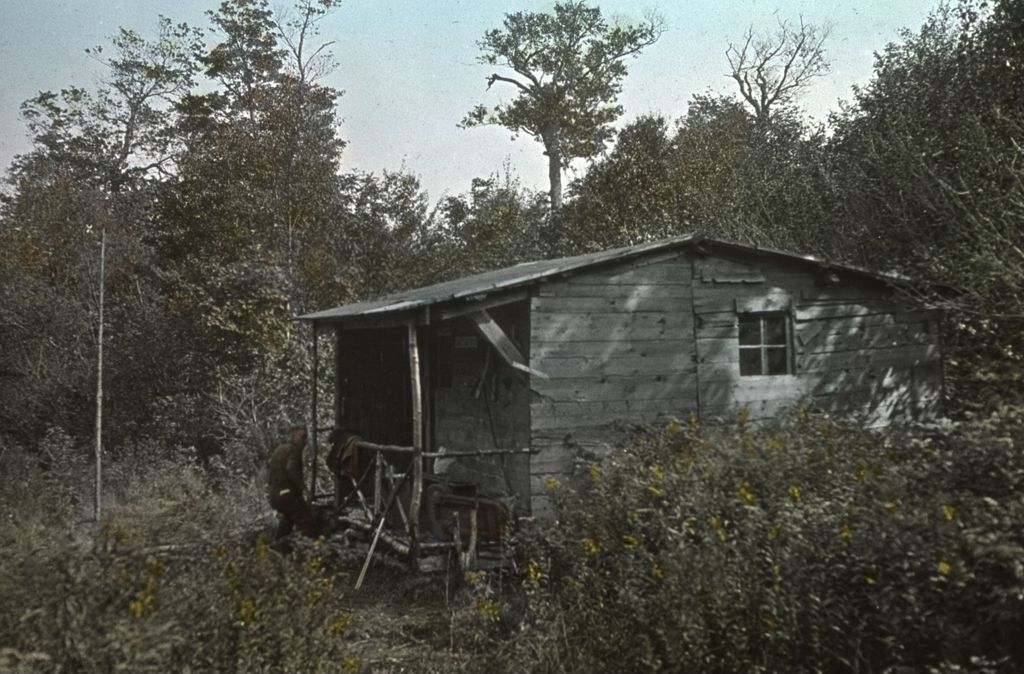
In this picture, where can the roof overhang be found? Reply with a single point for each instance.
(469, 294)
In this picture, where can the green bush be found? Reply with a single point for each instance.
(167, 583)
(802, 547)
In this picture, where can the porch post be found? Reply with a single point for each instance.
(417, 440)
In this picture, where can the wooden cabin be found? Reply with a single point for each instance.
(558, 361)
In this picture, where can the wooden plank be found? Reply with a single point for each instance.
(843, 294)
(596, 333)
(579, 366)
(454, 310)
(665, 273)
(575, 415)
(720, 391)
(586, 305)
(613, 291)
(900, 356)
(718, 270)
(870, 339)
(740, 299)
(509, 352)
(814, 312)
(615, 388)
(611, 349)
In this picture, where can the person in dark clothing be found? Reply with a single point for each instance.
(285, 487)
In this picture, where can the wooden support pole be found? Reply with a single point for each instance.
(314, 435)
(99, 381)
(378, 482)
(417, 439)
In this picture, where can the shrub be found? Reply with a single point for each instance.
(807, 546)
(167, 583)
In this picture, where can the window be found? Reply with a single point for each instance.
(764, 344)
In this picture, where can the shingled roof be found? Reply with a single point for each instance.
(528, 273)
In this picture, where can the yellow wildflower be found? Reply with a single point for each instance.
(533, 572)
(693, 421)
(747, 492)
(794, 493)
(552, 483)
(595, 473)
(774, 531)
(658, 472)
(672, 428)
(591, 546)
(339, 624)
(802, 414)
(248, 611)
(716, 526)
(944, 568)
(657, 572)
(351, 664)
(156, 567)
(261, 547)
(630, 543)
(491, 610)
(315, 564)
(948, 512)
(846, 532)
(654, 489)
(869, 580)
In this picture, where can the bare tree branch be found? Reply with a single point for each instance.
(772, 69)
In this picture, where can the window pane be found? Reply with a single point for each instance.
(775, 330)
(777, 361)
(750, 329)
(750, 361)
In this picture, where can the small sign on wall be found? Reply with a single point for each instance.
(465, 342)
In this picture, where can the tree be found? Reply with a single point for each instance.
(123, 133)
(632, 194)
(259, 178)
(498, 224)
(568, 68)
(771, 69)
(929, 163)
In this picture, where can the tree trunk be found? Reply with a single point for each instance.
(553, 149)
(555, 177)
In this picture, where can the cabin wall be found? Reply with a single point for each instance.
(481, 403)
(855, 347)
(618, 347)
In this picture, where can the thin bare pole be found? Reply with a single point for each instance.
(417, 440)
(314, 435)
(99, 380)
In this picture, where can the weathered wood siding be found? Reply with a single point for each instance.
(486, 406)
(857, 349)
(618, 347)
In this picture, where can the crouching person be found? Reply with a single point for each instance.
(285, 487)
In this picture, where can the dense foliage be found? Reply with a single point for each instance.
(802, 547)
(213, 164)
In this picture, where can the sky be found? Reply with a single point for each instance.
(409, 68)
